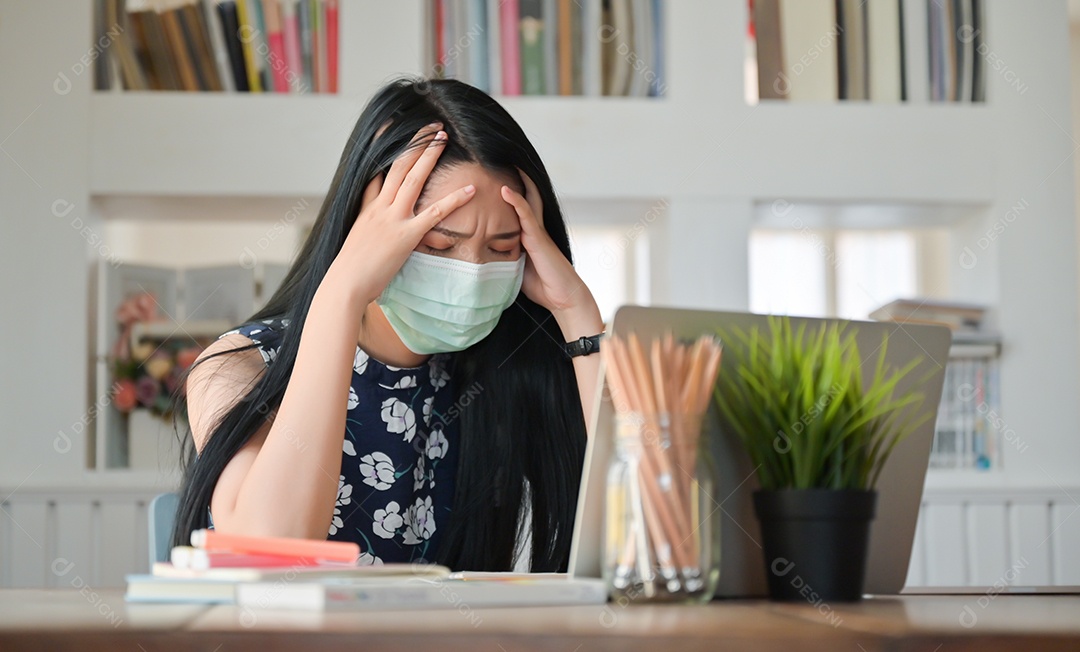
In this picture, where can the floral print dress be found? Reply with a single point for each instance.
(398, 457)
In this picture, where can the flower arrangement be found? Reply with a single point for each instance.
(146, 374)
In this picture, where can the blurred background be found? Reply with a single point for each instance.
(869, 159)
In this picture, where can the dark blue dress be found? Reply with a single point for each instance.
(399, 454)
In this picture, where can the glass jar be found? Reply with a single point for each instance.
(661, 534)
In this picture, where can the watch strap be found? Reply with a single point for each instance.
(583, 345)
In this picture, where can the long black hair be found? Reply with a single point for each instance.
(519, 407)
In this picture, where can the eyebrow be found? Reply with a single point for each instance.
(457, 234)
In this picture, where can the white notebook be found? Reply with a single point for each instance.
(510, 590)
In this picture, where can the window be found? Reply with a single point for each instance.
(830, 272)
(612, 261)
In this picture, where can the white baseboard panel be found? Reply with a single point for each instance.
(965, 537)
(73, 537)
(981, 537)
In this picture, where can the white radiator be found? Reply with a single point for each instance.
(969, 537)
(73, 537)
(93, 537)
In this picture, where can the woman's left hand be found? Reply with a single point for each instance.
(550, 280)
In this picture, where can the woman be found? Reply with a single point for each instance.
(410, 387)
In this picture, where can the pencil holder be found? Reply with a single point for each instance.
(661, 540)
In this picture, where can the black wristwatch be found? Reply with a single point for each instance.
(583, 346)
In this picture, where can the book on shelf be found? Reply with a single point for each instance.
(852, 52)
(967, 434)
(916, 59)
(549, 47)
(969, 430)
(770, 50)
(883, 32)
(255, 46)
(806, 23)
(882, 51)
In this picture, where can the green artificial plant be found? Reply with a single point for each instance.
(798, 403)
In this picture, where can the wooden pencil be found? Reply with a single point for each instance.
(662, 387)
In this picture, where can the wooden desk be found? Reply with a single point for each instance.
(65, 619)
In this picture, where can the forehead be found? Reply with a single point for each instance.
(487, 211)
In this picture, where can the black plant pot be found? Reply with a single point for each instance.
(815, 542)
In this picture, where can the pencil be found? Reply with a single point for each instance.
(660, 390)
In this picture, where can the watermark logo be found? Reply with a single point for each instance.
(781, 567)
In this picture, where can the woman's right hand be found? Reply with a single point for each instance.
(386, 231)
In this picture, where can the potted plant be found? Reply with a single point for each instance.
(818, 437)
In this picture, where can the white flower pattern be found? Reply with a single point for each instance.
(378, 470)
(387, 521)
(419, 521)
(418, 474)
(360, 361)
(399, 418)
(368, 559)
(403, 383)
(428, 403)
(436, 443)
(344, 497)
(439, 376)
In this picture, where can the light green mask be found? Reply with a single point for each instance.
(438, 305)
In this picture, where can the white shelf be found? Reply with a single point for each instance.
(972, 485)
(216, 145)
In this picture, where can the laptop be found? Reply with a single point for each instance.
(742, 572)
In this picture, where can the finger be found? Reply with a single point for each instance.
(532, 195)
(404, 162)
(529, 224)
(371, 191)
(414, 181)
(437, 212)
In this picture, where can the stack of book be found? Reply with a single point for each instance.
(969, 432)
(877, 50)
(550, 47)
(312, 575)
(256, 46)
(962, 318)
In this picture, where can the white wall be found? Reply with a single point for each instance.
(1036, 254)
(1074, 86)
(43, 257)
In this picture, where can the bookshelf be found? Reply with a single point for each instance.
(710, 159)
(887, 51)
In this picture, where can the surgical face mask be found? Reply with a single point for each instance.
(438, 305)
